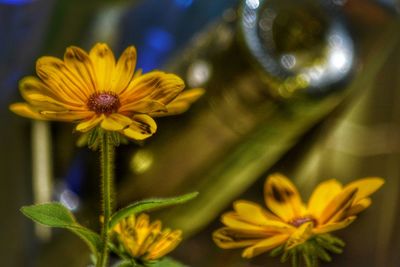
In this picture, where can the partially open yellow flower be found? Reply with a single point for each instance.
(289, 221)
(144, 240)
(94, 89)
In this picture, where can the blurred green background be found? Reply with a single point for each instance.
(258, 116)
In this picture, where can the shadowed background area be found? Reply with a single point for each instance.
(309, 90)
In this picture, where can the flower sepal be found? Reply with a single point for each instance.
(310, 252)
(93, 138)
(163, 262)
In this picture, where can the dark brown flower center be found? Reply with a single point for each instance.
(104, 103)
(302, 220)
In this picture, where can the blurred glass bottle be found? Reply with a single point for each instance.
(272, 69)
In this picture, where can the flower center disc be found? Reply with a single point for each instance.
(299, 221)
(104, 103)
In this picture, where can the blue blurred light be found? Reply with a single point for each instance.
(148, 60)
(76, 174)
(159, 39)
(183, 3)
(15, 2)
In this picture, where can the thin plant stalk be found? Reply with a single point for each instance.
(107, 153)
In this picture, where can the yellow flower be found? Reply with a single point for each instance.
(144, 240)
(96, 90)
(289, 221)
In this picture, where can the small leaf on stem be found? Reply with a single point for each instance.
(54, 214)
(148, 204)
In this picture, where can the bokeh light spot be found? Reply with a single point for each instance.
(159, 39)
(199, 73)
(253, 4)
(141, 161)
(15, 2)
(183, 3)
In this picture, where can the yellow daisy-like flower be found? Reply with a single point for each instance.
(96, 90)
(289, 221)
(144, 240)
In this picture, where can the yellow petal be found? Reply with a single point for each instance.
(137, 73)
(227, 239)
(301, 235)
(142, 127)
(155, 85)
(330, 227)
(264, 246)
(167, 241)
(366, 186)
(40, 96)
(282, 197)
(142, 228)
(103, 64)
(233, 220)
(359, 206)
(115, 122)
(154, 231)
(253, 212)
(130, 221)
(240, 234)
(156, 226)
(143, 106)
(67, 115)
(23, 109)
(32, 85)
(181, 103)
(338, 205)
(62, 81)
(117, 229)
(89, 124)
(322, 195)
(124, 70)
(190, 95)
(43, 102)
(80, 64)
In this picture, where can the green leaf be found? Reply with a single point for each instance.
(54, 214)
(50, 214)
(148, 204)
(126, 263)
(91, 238)
(166, 262)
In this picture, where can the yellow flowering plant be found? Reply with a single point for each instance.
(96, 90)
(292, 228)
(108, 101)
(143, 242)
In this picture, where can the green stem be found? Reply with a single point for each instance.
(107, 178)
